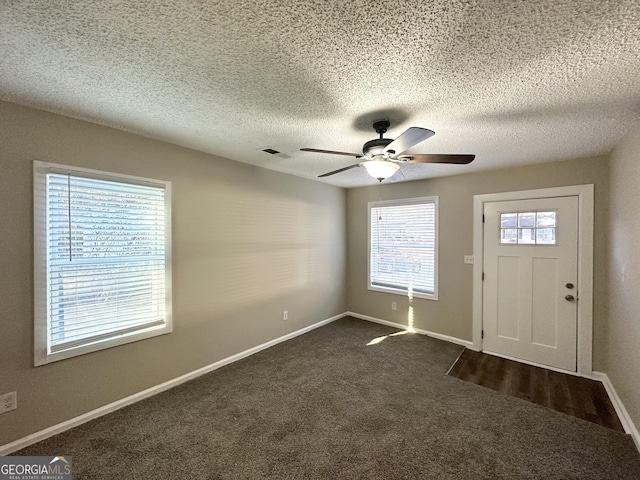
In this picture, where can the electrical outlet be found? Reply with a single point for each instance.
(394, 306)
(285, 315)
(8, 402)
(468, 259)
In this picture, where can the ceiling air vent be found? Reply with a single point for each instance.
(273, 151)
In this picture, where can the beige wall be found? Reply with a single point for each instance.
(623, 333)
(248, 243)
(452, 314)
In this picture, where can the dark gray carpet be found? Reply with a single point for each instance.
(326, 405)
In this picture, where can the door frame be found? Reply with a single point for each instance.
(585, 194)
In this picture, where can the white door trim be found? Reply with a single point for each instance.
(585, 262)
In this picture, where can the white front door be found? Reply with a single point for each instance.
(530, 283)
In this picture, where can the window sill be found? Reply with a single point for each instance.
(43, 358)
(404, 293)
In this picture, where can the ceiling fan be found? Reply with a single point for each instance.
(382, 156)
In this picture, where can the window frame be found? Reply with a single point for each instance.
(42, 353)
(400, 290)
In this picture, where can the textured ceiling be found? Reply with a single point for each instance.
(512, 81)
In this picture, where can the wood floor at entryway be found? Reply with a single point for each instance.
(581, 397)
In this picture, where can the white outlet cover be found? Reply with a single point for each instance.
(8, 402)
(468, 259)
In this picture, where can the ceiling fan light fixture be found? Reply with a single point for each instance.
(381, 169)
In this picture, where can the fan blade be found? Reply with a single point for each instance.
(340, 170)
(315, 150)
(444, 158)
(412, 136)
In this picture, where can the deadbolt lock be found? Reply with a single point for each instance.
(569, 286)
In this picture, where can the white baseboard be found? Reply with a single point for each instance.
(136, 397)
(19, 444)
(623, 415)
(439, 336)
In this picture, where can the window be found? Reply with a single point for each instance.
(403, 249)
(102, 260)
(528, 228)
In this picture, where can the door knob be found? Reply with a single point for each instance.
(570, 298)
(569, 286)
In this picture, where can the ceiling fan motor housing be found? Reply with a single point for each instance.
(376, 146)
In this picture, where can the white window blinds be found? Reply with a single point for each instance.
(403, 246)
(105, 259)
